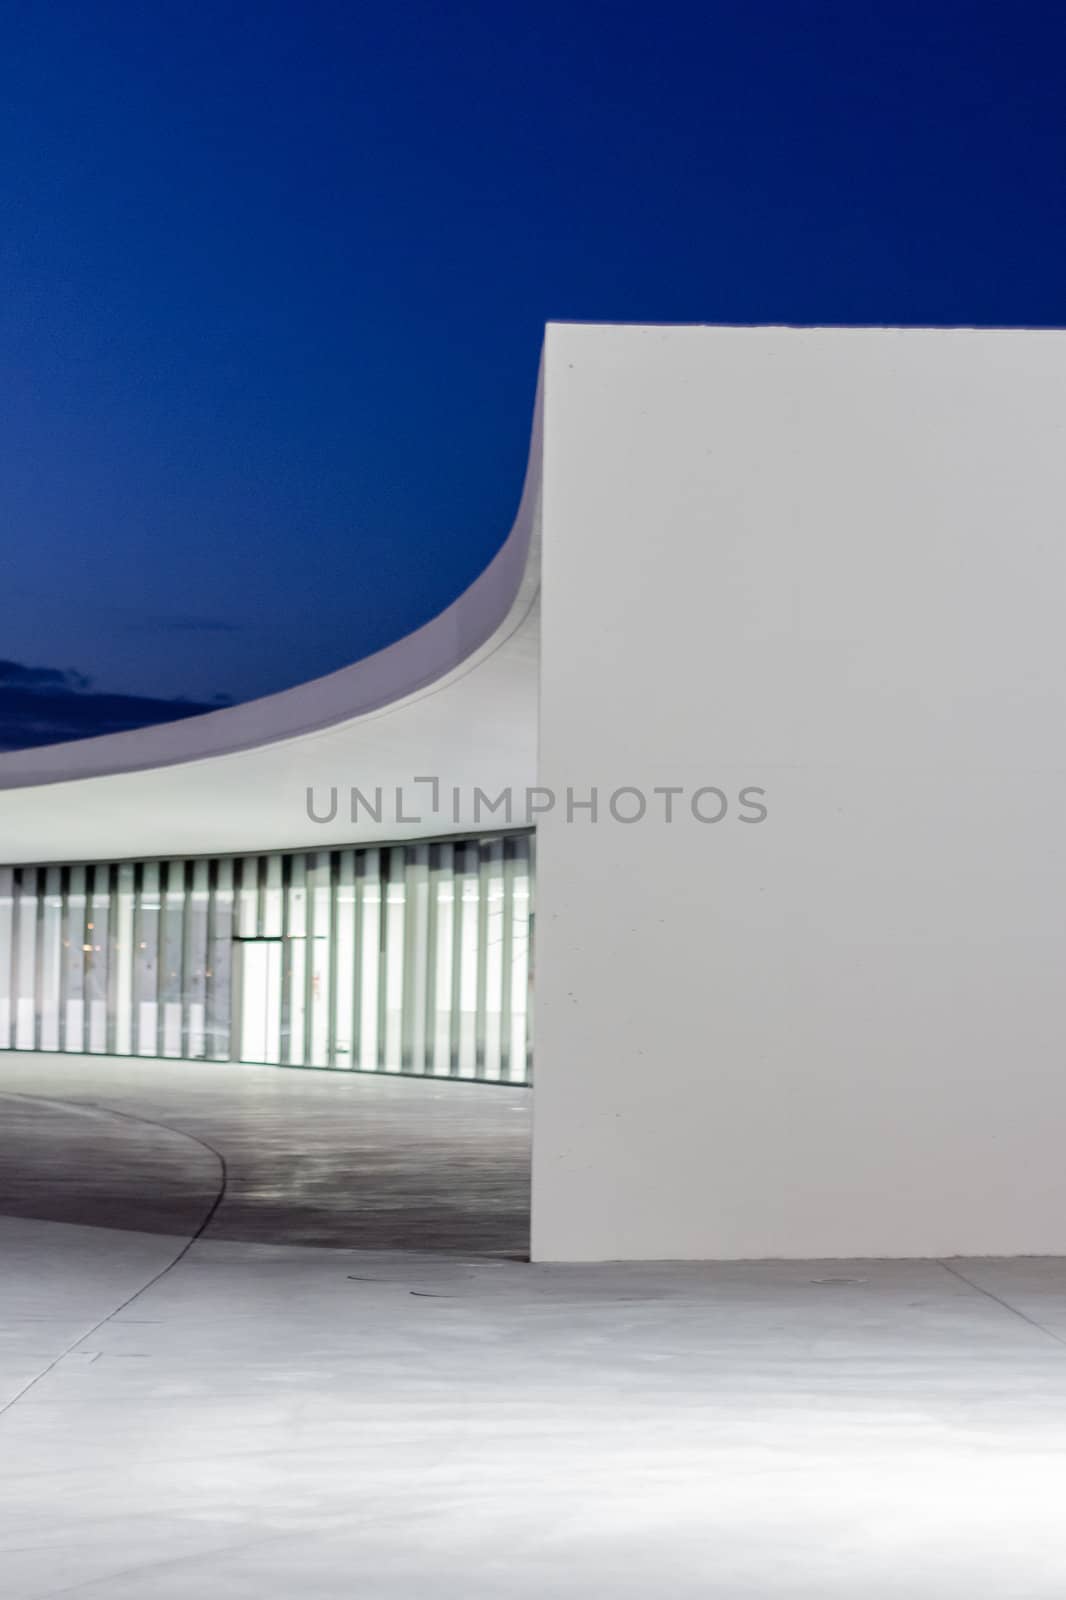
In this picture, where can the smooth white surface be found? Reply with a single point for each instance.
(455, 701)
(272, 1419)
(830, 564)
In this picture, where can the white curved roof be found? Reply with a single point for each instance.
(455, 701)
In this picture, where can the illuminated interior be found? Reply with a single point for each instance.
(404, 958)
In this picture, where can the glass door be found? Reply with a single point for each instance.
(260, 999)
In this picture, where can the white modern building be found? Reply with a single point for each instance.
(769, 682)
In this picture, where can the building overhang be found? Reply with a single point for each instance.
(404, 744)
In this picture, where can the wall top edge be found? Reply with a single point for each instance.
(931, 328)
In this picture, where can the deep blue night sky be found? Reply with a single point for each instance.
(274, 277)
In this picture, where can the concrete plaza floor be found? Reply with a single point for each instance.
(269, 1335)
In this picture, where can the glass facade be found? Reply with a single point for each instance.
(398, 958)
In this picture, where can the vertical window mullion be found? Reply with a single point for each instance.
(416, 958)
(468, 963)
(248, 898)
(75, 951)
(297, 961)
(520, 925)
(481, 989)
(392, 976)
(493, 1000)
(506, 955)
(26, 970)
(122, 962)
(99, 961)
(320, 890)
(51, 957)
(444, 960)
(221, 1046)
(456, 1012)
(430, 990)
(7, 955)
(344, 960)
(195, 960)
(171, 958)
(370, 959)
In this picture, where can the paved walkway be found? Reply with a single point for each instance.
(267, 1336)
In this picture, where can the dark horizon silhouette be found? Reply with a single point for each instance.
(274, 281)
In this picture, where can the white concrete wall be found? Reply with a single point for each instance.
(831, 564)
